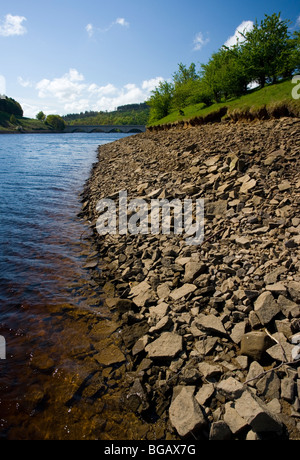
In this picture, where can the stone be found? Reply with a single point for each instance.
(164, 323)
(163, 291)
(110, 355)
(205, 393)
(257, 414)
(167, 346)
(192, 270)
(216, 208)
(185, 413)
(243, 241)
(281, 352)
(247, 186)
(288, 307)
(266, 307)
(183, 291)
(294, 290)
(255, 370)
(209, 370)
(255, 343)
(158, 312)
(230, 387)
(211, 324)
(238, 331)
(288, 389)
(220, 431)
(235, 422)
(277, 288)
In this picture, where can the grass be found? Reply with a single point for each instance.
(23, 124)
(269, 98)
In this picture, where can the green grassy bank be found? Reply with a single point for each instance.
(270, 98)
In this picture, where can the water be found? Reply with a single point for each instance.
(50, 385)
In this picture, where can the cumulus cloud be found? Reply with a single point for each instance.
(298, 22)
(65, 88)
(200, 41)
(245, 26)
(71, 93)
(12, 25)
(2, 85)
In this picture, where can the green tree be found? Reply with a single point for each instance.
(160, 101)
(267, 49)
(56, 122)
(41, 116)
(13, 119)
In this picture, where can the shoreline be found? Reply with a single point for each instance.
(197, 320)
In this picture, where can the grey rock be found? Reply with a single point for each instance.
(257, 414)
(183, 291)
(230, 387)
(185, 413)
(235, 422)
(211, 324)
(266, 307)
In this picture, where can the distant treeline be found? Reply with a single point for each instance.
(266, 54)
(130, 114)
(10, 106)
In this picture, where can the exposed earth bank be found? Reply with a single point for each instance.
(210, 332)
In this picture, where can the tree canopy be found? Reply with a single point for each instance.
(265, 54)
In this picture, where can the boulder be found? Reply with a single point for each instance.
(185, 413)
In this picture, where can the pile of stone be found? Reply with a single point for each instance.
(210, 331)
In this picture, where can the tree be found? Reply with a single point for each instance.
(160, 101)
(41, 116)
(13, 119)
(267, 49)
(56, 122)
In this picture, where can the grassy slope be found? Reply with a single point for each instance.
(272, 94)
(27, 124)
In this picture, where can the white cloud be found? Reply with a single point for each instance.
(71, 93)
(12, 25)
(24, 83)
(200, 41)
(150, 85)
(298, 22)
(90, 30)
(66, 88)
(245, 26)
(121, 22)
(2, 85)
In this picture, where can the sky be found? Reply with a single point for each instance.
(71, 56)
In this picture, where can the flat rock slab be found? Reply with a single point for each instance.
(168, 345)
(185, 413)
(183, 291)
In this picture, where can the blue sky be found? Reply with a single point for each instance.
(64, 56)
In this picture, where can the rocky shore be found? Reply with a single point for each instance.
(210, 332)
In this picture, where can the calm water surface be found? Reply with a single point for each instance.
(50, 386)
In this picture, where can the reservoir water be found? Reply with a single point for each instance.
(50, 305)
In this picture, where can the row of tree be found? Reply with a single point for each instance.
(267, 53)
(130, 114)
